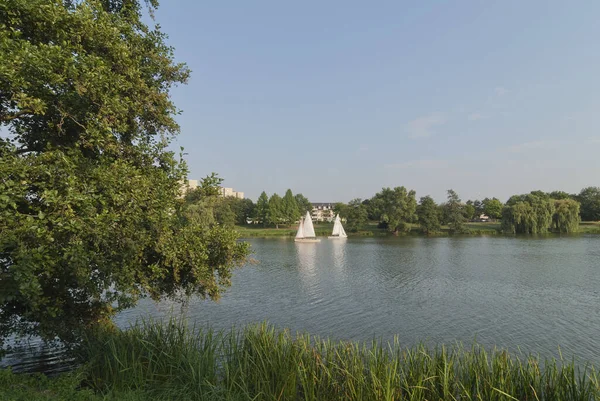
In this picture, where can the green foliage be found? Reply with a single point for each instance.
(492, 208)
(262, 208)
(303, 203)
(589, 198)
(91, 217)
(275, 213)
(559, 195)
(454, 211)
(428, 213)
(174, 361)
(469, 211)
(395, 208)
(528, 214)
(241, 209)
(290, 210)
(355, 214)
(566, 216)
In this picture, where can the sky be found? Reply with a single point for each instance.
(339, 99)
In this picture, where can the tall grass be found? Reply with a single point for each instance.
(261, 363)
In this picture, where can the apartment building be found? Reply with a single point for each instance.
(193, 184)
(322, 212)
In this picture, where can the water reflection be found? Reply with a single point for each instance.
(339, 254)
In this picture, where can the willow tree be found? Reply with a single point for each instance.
(528, 214)
(566, 216)
(91, 214)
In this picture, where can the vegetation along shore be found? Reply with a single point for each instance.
(156, 361)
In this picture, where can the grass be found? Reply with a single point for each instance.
(173, 361)
(370, 229)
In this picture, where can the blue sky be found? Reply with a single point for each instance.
(338, 99)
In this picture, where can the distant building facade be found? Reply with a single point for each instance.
(230, 192)
(193, 184)
(322, 212)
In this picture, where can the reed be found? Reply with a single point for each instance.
(174, 361)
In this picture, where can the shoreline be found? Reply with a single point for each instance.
(371, 230)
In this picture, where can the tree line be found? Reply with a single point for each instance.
(397, 210)
(229, 211)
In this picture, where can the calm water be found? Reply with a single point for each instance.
(536, 294)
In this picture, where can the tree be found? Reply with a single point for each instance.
(290, 210)
(91, 217)
(355, 213)
(560, 195)
(262, 208)
(428, 213)
(396, 208)
(455, 212)
(304, 204)
(275, 212)
(492, 207)
(478, 208)
(469, 210)
(589, 198)
(566, 216)
(224, 215)
(340, 208)
(528, 214)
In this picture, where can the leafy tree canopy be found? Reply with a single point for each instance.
(355, 214)
(395, 208)
(590, 203)
(91, 217)
(428, 213)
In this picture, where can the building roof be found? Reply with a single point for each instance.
(321, 204)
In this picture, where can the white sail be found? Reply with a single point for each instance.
(338, 229)
(300, 233)
(309, 230)
(336, 226)
(342, 231)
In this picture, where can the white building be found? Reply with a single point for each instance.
(193, 184)
(230, 192)
(322, 212)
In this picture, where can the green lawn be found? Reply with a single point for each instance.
(370, 229)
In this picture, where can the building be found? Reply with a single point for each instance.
(230, 192)
(322, 212)
(193, 184)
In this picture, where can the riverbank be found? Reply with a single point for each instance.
(172, 361)
(370, 229)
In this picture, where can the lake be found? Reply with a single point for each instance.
(531, 293)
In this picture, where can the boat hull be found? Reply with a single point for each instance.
(307, 240)
(336, 237)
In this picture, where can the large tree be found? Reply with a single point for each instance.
(566, 216)
(355, 214)
(275, 214)
(304, 204)
(428, 214)
(589, 198)
(290, 210)
(395, 208)
(91, 217)
(455, 212)
(528, 214)
(492, 207)
(262, 208)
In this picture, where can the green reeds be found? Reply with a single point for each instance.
(261, 363)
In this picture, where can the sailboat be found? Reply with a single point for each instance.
(306, 231)
(338, 229)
